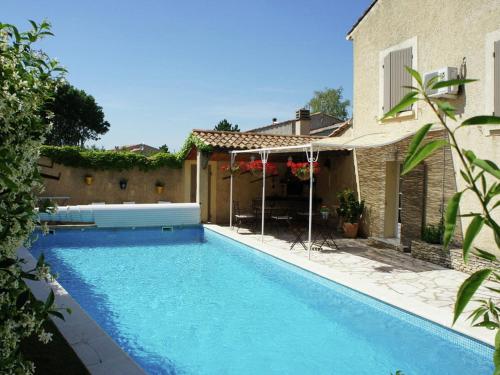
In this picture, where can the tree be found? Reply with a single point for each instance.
(77, 118)
(164, 148)
(225, 125)
(331, 102)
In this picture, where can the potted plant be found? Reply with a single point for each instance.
(302, 170)
(238, 167)
(89, 179)
(123, 183)
(256, 167)
(324, 211)
(350, 210)
(160, 186)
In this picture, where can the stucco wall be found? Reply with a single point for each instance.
(105, 187)
(444, 33)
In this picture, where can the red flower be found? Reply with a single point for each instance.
(302, 169)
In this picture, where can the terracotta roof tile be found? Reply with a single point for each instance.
(341, 129)
(248, 141)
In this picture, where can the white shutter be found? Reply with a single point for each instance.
(399, 75)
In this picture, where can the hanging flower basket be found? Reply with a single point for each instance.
(256, 167)
(237, 168)
(301, 170)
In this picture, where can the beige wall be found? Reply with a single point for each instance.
(141, 185)
(443, 33)
(105, 187)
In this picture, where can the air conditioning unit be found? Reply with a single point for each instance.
(444, 74)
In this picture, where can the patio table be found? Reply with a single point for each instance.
(323, 234)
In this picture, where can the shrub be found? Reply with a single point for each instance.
(433, 233)
(28, 78)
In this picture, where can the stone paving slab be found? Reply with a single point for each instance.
(396, 272)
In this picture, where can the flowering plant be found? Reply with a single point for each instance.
(28, 79)
(301, 170)
(255, 167)
(238, 167)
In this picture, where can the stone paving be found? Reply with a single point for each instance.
(391, 269)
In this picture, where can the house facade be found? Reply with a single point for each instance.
(462, 34)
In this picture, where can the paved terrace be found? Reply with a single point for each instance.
(397, 278)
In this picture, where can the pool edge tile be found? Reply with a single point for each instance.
(80, 330)
(420, 309)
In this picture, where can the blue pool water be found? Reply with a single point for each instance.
(194, 302)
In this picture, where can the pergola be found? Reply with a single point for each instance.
(312, 151)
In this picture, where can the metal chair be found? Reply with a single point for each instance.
(240, 218)
(279, 217)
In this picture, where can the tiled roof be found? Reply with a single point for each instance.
(346, 125)
(248, 141)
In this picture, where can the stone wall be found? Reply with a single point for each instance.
(431, 253)
(425, 191)
(451, 258)
(105, 186)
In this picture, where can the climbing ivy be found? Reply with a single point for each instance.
(108, 160)
(193, 141)
(121, 160)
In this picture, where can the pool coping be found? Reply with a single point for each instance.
(98, 352)
(436, 315)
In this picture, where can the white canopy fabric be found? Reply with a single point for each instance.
(369, 140)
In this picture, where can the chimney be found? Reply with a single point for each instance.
(302, 122)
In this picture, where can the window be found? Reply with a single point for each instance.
(395, 77)
(496, 79)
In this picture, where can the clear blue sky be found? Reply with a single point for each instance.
(162, 68)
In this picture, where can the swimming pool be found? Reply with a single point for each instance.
(191, 301)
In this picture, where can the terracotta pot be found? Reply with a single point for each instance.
(89, 180)
(159, 189)
(350, 230)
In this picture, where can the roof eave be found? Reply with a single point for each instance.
(365, 13)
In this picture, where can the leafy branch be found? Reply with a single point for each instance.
(477, 174)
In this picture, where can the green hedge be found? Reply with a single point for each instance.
(120, 160)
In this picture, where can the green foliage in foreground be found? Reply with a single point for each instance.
(121, 160)
(482, 180)
(28, 77)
